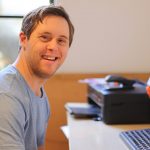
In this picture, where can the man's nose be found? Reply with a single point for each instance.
(52, 45)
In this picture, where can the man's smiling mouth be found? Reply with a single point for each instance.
(50, 58)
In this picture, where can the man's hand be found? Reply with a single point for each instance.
(148, 87)
(148, 90)
(41, 147)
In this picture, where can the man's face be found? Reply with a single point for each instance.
(47, 47)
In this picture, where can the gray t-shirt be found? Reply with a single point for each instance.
(23, 115)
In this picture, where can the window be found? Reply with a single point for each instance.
(18, 8)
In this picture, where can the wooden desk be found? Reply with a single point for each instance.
(87, 134)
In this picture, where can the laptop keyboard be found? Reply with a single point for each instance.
(137, 139)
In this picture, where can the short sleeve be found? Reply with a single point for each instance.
(12, 122)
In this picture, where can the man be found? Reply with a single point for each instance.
(45, 38)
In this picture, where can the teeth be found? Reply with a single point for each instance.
(49, 58)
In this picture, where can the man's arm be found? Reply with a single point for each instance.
(12, 120)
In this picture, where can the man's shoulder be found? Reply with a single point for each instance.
(12, 84)
(9, 79)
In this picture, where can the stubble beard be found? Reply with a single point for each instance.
(42, 74)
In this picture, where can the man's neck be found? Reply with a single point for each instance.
(33, 81)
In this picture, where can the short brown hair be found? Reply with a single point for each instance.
(31, 20)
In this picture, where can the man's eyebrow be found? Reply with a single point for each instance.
(45, 33)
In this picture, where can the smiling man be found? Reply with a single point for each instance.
(45, 38)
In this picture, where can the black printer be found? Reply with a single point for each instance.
(122, 101)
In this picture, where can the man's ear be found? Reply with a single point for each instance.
(23, 39)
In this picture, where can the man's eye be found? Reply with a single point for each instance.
(62, 41)
(44, 38)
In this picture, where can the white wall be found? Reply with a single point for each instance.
(110, 36)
